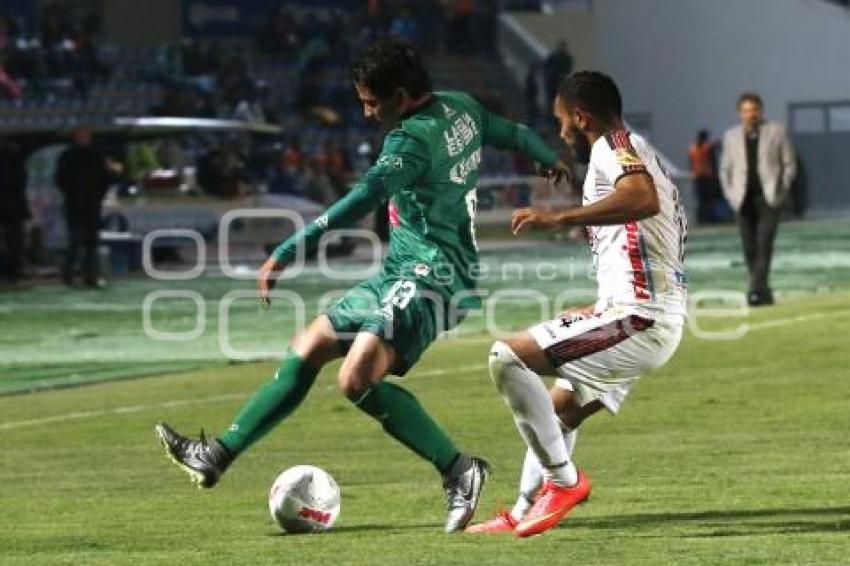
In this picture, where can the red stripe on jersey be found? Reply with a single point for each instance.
(392, 212)
(639, 276)
(597, 339)
(627, 157)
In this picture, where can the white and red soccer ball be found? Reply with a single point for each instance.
(304, 499)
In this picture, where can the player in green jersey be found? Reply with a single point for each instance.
(428, 168)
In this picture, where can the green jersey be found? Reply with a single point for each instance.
(428, 170)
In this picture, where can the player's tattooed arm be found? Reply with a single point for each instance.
(634, 198)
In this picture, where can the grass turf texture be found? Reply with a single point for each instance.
(735, 452)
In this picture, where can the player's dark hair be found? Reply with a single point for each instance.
(594, 92)
(750, 96)
(389, 64)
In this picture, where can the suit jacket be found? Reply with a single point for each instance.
(82, 176)
(776, 164)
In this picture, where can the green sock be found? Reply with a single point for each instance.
(272, 403)
(405, 419)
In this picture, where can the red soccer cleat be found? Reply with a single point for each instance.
(553, 502)
(503, 522)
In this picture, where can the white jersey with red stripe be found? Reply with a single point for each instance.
(639, 265)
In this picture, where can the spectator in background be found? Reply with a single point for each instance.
(557, 65)
(461, 32)
(86, 65)
(315, 185)
(337, 166)
(405, 27)
(221, 171)
(199, 59)
(249, 107)
(293, 156)
(6, 32)
(53, 29)
(702, 158)
(365, 155)
(283, 179)
(314, 52)
(757, 168)
(307, 92)
(430, 17)
(14, 210)
(9, 86)
(83, 175)
(171, 155)
(233, 80)
(141, 161)
(175, 102)
(279, 35)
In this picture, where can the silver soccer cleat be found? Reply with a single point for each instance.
(462, 493)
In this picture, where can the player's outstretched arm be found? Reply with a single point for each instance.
(362, 199)
(502, 133)
(401, 162)
(634, 198)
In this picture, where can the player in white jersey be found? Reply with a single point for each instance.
(637, 232)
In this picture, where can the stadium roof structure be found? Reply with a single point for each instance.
(32, 138)
(166, 125)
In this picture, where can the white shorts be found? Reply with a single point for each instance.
(600, 356)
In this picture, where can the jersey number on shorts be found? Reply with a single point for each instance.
(400, 294)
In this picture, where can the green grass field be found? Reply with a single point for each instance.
(736, 452)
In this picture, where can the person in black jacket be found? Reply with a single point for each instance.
(557, 65)
(14, 210)
(82, 175)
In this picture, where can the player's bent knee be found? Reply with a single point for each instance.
(502, 356)
(350, 385)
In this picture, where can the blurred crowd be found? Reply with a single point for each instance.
(299, 78)
(294, 73)
(62, 53)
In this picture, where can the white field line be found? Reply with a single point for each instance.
(180, 403)
(795, 319)
(119, 411)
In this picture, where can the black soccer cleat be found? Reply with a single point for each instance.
(203, 460)
(463, 489)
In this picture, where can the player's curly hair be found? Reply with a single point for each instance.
(389, 64)
(594, 92)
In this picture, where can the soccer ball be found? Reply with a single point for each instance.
(304, 499)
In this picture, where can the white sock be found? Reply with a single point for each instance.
(529, 401)
(529, 483)
(532, 474)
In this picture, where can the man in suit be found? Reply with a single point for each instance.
(757, 167)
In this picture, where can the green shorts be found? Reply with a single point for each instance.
(402, 310)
